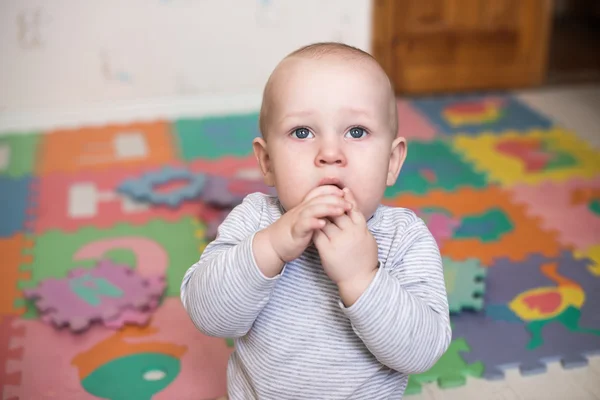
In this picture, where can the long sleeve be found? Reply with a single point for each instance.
(402, 317)
(225, 291)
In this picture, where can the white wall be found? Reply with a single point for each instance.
(63, 60)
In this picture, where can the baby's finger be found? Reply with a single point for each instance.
(322, 210)
(320, 239)
(328, 199)
(308, 225)
(330, 229)
(343, 221)
(324, 190)
(354, 213)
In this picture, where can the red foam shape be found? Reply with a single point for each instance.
(544, 302)
(530, 153)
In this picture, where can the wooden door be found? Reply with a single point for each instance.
(458, 45)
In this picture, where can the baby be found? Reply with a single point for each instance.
(327, 293)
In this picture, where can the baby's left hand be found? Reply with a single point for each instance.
(348, 252)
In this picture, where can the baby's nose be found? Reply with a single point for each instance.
(331, 156)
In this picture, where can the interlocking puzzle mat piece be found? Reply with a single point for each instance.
(11, 249)
(537, 310)
(131, 316)
(201, 236)
(212, 219)
(14, 205)
(215, 137)
(17, 154)
(592, 253)
(491, 226)
(146, 188)
(169, 359)
(229, 192)
(571, 208)
(472, 114)
(11, 352)
(412, 124)
(450, 370)
(465, 284)
(99, 293)
(228, 167)
(71, 201)
(116, 146)
(441, 226)
(431, 165)
(530, 157)
(157, 246)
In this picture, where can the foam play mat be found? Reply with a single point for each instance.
(98, 225)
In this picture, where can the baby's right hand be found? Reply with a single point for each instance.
(292, 233)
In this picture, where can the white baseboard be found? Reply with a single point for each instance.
(24, 121)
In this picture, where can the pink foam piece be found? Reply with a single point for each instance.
(442, 227)
(53, 201)
(151, 259)
(412, 124)
(52, 358)
(552, 202)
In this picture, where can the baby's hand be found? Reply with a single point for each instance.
(348, 252)
(291, 234)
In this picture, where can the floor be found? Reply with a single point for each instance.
(81, 197)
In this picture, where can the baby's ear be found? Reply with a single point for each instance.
(261, 153)
(397, 157)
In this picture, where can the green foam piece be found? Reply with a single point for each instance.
(488, 226)
(450, 170)
(53, 251)
(216, 137)
(464, 284)
(450, 370)
(21, 151)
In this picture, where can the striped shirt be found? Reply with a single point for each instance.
(294, 338)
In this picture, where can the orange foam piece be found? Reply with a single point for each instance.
(526, 238)
(11, 249)
(99, 147)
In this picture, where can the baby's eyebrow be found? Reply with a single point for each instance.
(298, 114)
(358, 111)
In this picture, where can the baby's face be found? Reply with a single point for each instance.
(330, 121)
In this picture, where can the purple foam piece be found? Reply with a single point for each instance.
(229, 192)
(216, 193)
(131, 316)
(60, 303)
(502, 344)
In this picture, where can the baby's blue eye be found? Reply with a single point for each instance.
(357, 132)
(301, 133)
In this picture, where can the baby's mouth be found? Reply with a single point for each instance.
(333, 182)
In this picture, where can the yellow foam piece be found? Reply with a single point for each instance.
(508, 170)
(593, 253)
(200, 230)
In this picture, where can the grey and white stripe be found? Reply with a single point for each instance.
(294, 339)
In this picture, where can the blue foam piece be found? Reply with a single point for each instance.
(14, 200)
(514, 115)
(143, 188)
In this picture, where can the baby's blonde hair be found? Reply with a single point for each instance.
(319, 50)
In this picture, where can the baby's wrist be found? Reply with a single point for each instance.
(269, 262)
(351, 290)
